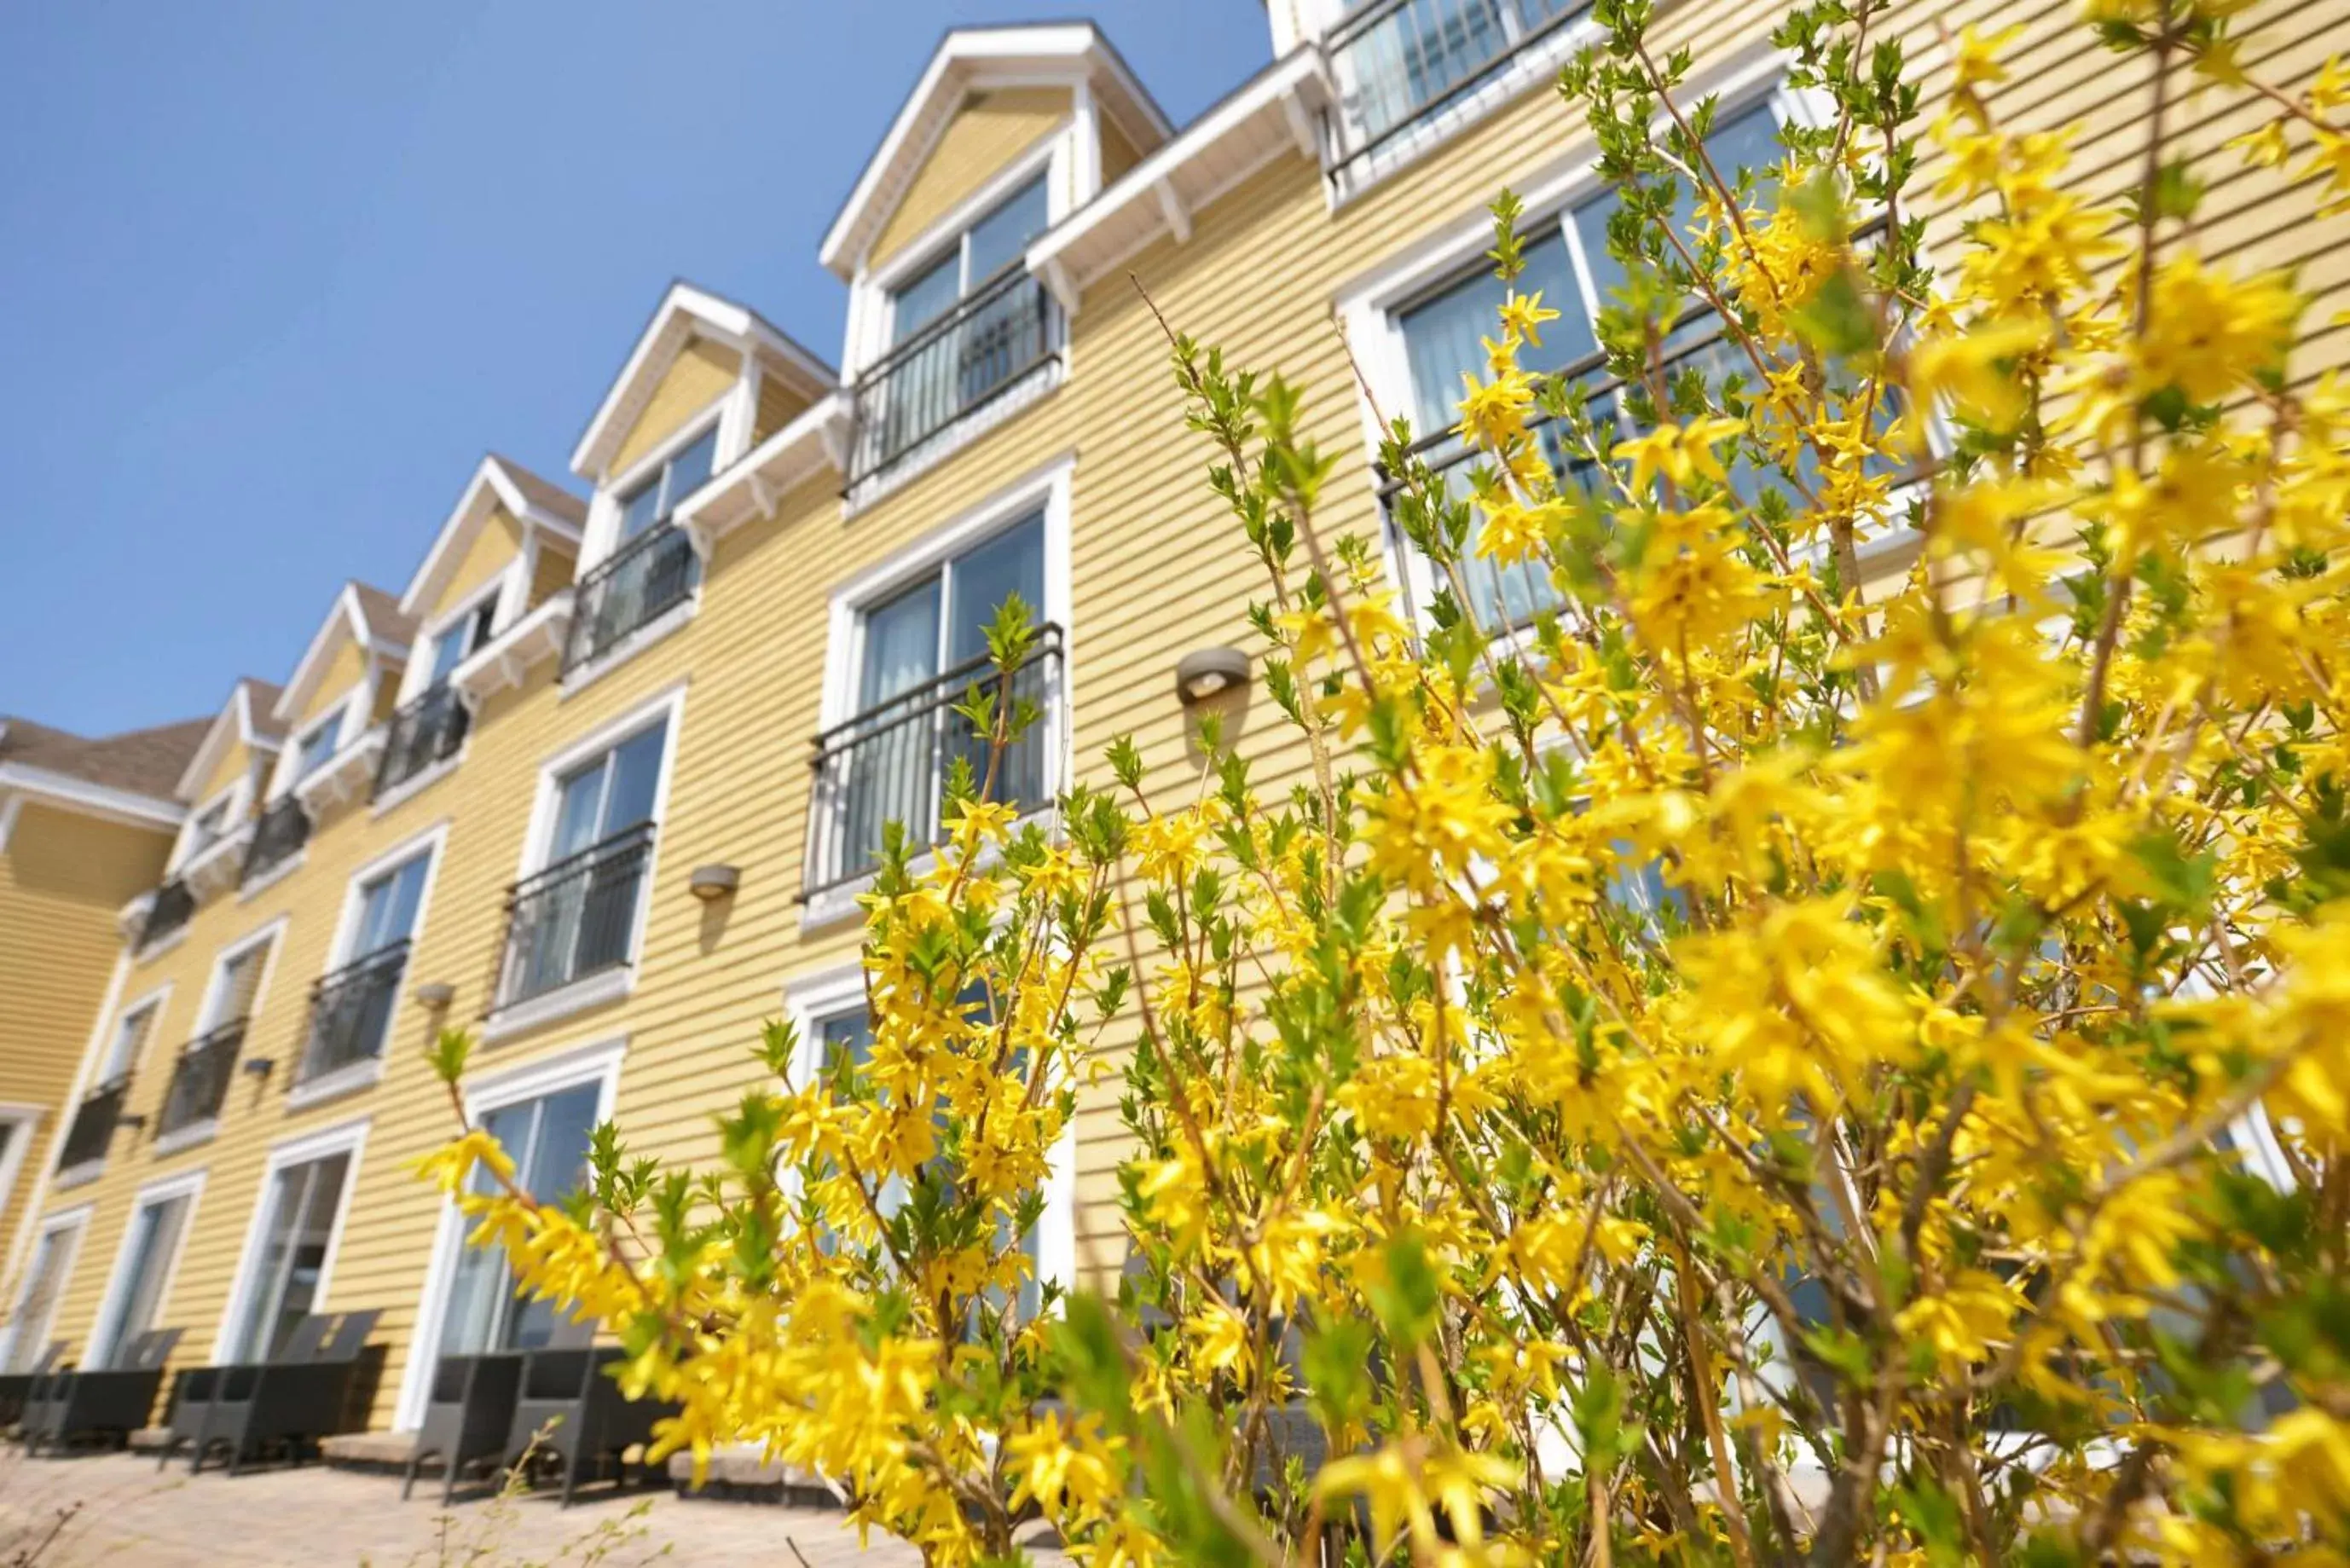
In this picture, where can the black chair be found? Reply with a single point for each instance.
(467, 1418)
(16, 1388)
(566, 1384)
(288, 1402)
(198, 1389)
(111, 1402)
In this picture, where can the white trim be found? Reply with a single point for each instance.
(20, 781)
(158, 998)
(345, 1137)
(595, 990)
(235, 721)
(208, 1012)
(189, 1184)
(602, 541)
(23, 1121)
(236, 799)
(350, 615)
(348, 1079)
(492, 478)
(77, 1218)
(600, 1063)
(538, 635)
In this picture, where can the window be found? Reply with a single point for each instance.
(465, 636)
(297, 1236)
(388, 905)
(45, 1282)
(1402, 63)
(656, 497)
(205, 829)
(547, 1139)
(317, 745)
(1568, 262)
(578, 917)
(130, 1041)
(965, 326)
(350, 1008)
(918, 652)
(143, 1271)
(236, 985)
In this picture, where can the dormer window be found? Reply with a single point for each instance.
(317, 745)
(206, 830)
(971, 260)
(657, 496)
(462, 638)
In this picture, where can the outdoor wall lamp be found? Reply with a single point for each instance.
(434, 994)
(259, 1066)
(135, 1119)
(1206, 672)
(711, 883)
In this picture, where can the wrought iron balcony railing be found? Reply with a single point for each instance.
(280, 834)
(575, 918)
(891, 762)
(652, 573)
(351, 1012)
(200, 1080)
(427, 731)
(952, 369)
(1401, 64)
(93, 1125)
(172, 908)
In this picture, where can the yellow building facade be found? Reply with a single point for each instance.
(602, 781)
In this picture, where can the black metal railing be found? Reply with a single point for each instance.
(953, 368)
(199, 1079)
(172, 907)
(280, 834)
(891, 762)
(651, 573)
(1399, 63)
(575, 919)
(93, 1125)
(351, 1011)
(425, 731)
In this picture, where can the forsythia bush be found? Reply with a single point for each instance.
(1825, 1038)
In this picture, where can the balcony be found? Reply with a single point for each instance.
(200, 1081)
(651, 574)
(575, 920)
(420, 735)
(93, 1127)
(890, 763)
(1410, 69)
(351, 1012)
(174, 904)
(953, 370)
(278, 837)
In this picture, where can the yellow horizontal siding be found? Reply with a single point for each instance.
(344, 670)
(987, 133)
(779, 405)
(494, 545)
(699, 375)
(551, 572)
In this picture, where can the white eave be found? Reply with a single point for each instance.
(974, 60)
(815, 442)
(344, 776)
(217, 865)
(75, 795)
(684, 314)
(492, 482)
(1274, 114)
(349, 619)
(503, 661)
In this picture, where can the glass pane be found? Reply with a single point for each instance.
(317, 747)
(40, 1299)
(640, 508)
(155, 1233)
(556, 1165)
(1747, 139)
(578, 808)
(636, 775)
(928, 296)
(901, 644)
(1444, 338)
(128, 1036)
(388, 907)
(998, 239)
(691, 468)
(302, 1204)
(1011, 563)
(450, 647)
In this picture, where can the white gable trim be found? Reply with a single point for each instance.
(491, 482)
(236, 722)
(351, 617)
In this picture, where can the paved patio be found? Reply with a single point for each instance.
(115, 1509)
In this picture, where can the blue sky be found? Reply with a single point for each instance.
(273, 275)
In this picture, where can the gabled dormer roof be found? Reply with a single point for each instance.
(497, 482)
(971, 59)
(245, 718)
(362, 614)
(685, 313)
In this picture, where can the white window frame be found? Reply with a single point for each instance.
(361, 1074)
(344, 1137)
(76, 1219)
(208, 1016)
(602, 540)
(237, 798)
(600, 1063)
(814, 998)
(99, 1077)
(1047, 487)
(189, 1184)
(22, 1123)
(290, 764)
(666, 706)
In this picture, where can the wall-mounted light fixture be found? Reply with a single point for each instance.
(434, 996)
(1206, 672)
(258, 1066)
(711, 883)
(132, 1119)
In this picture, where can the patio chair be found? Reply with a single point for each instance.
(195, 1391)
(565, 1383)
(110, 1401)
(468, 1417)
(292, 1403)
(16, 1387)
